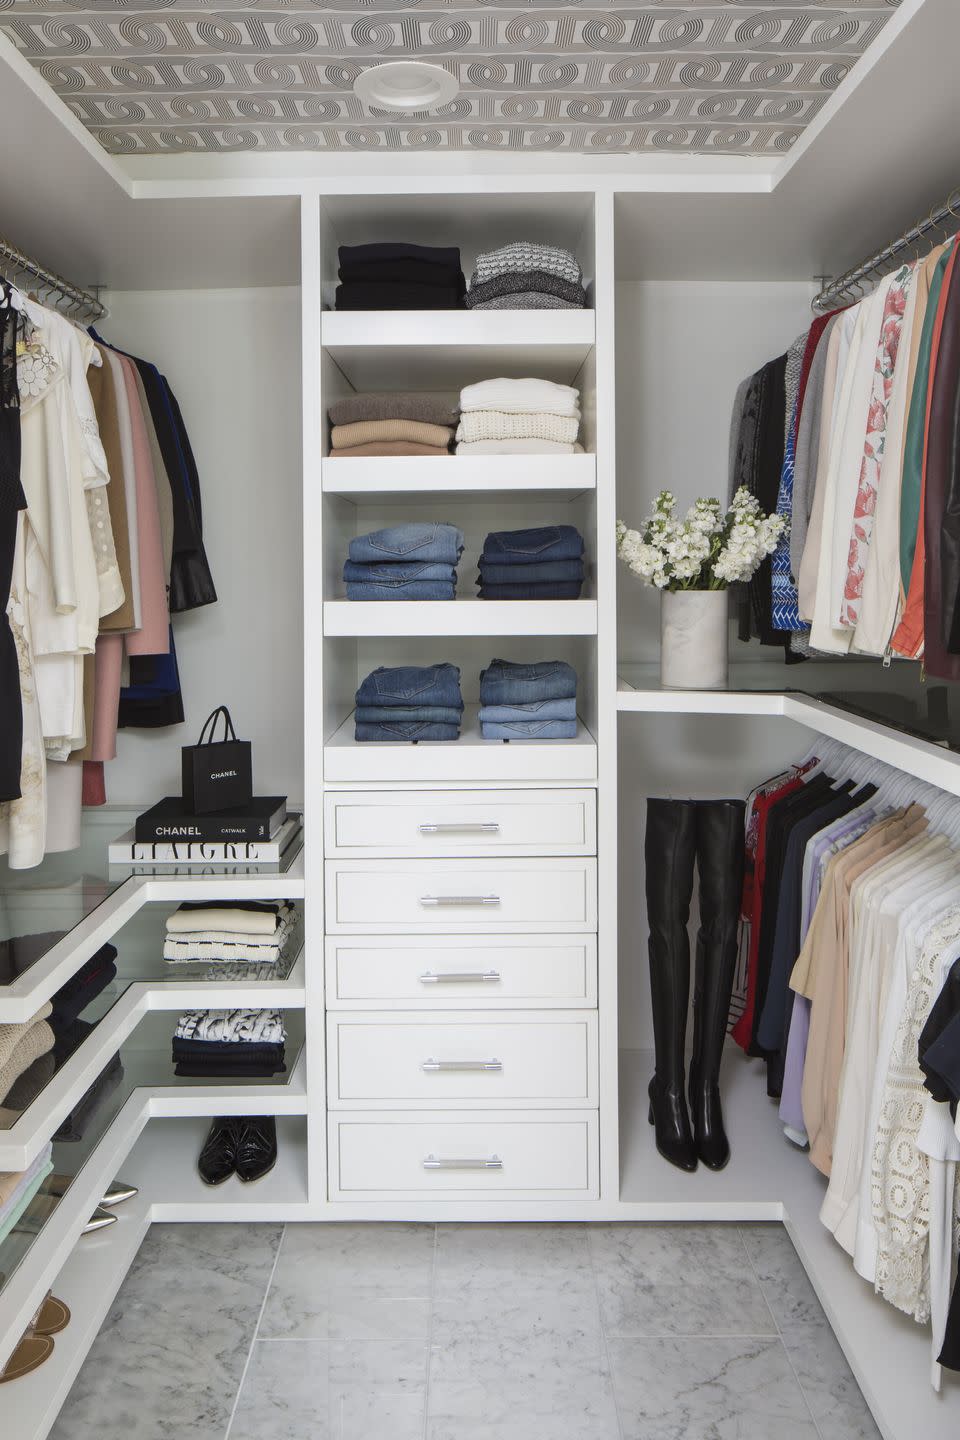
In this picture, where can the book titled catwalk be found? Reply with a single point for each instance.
(170, 820)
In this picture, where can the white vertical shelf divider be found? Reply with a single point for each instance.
(605, 302)
(313, 240)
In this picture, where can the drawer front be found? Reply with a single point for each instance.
(445, 972)
(462, 822)
(469, 896)
(527, 1059)
(398, 1157)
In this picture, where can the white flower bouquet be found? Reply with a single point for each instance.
(706, 549)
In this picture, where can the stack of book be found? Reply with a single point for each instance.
(167, 834)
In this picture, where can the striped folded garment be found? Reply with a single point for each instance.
(521, 396)
(523, 255)
(249, 918)
(187, 948)
(367, 432)
(529, 425)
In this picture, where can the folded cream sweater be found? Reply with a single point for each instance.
(517, 447)
(501, 425)
(521, 396)
(366, 432)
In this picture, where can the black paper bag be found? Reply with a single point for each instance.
(217, 774)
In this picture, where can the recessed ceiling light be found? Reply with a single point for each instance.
(406, 85)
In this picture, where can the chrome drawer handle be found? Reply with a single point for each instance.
(459, 899)
(458, 977)
(466, 827)
(461, 1066)
(490, 1162)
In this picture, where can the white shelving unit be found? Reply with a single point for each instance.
(513, 478)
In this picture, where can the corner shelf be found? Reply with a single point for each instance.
(467, 616)
(500, 479)
(638, 692)
(469, 758)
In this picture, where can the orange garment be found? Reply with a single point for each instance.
(908, 637)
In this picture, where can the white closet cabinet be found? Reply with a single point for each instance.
(485, 1060)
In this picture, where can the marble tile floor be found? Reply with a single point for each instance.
(466, 1332)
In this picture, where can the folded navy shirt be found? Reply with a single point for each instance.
(533, 546)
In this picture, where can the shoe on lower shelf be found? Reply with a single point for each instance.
(52, 1317)
(217, 1160)
(256, 1147)
(117, 1192)
(29, 1355)
(99, 1220)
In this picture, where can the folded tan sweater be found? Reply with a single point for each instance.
(365, 432)
(35, 1041)
(392, 447)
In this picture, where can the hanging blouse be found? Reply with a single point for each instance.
(12, 501)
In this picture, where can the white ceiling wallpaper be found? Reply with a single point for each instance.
(601, 77)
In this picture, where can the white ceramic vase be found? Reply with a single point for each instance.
(693, 639)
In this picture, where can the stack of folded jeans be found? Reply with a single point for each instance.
(528, 702)
(395, 276)
(415, 561)
(406, 423)
(518, 417)
(410, 702)
(545, 563)
(229, 1042)
(524, 276)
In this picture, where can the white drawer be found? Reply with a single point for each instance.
(461, 822)
(513, 1156)
(525, 1058)
(446, 972)
(469, 896)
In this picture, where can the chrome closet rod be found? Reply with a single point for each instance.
(15, 261)
(840, 289)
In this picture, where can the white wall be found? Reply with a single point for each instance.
(682, 350)
(232, 358)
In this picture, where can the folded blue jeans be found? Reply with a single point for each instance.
(408, 714)
(526, 547)
(556, 590)
(412, 685)
(415, 540)
(401, 590)
(504, 682)
(534, 574)
(399, 571)
(538, 710)
(528, 729)
(412, 730)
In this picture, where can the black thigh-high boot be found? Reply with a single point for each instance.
(669, 852)
(720, 866)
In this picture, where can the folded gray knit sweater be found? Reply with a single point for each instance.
(524, 282)
(402, 405)
(526, 255)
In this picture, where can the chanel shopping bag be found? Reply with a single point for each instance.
(217, 774)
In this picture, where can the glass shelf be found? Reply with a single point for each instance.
(39, 908)
(897, 696)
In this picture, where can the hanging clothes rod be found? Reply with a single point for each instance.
(14, 262)
(840, 290)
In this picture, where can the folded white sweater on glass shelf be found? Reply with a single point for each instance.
(239, 918)
(535, 425)
(521, 396)
(524, 255)
(212, 945)
(260, 1026)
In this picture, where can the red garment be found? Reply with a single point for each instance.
(94, 788)
(752, 905)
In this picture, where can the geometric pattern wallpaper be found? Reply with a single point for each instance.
(587, 78)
